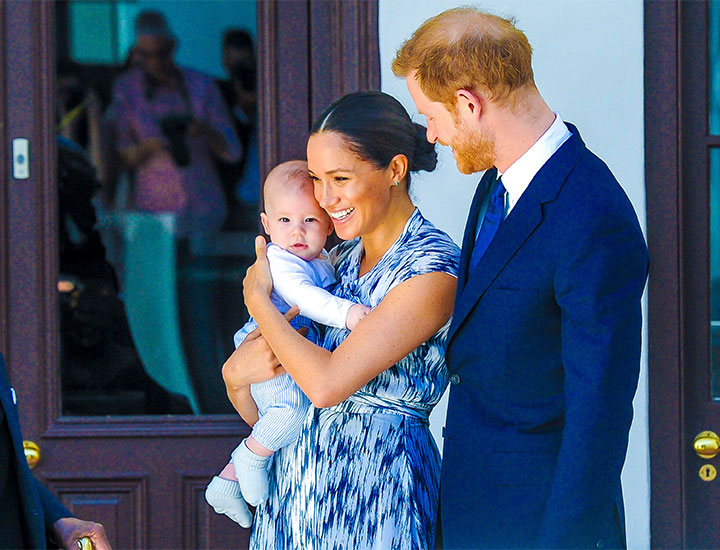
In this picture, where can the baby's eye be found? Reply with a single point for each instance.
(309, 220)
(285, 220)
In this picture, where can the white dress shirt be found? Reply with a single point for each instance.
(521, 172)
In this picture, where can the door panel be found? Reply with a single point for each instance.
(142, 476)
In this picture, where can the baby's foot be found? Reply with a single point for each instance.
(252, 475)
(225, 497)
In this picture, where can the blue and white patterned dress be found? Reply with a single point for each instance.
(365, 473)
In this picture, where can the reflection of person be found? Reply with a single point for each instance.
(544, 346)
(31, 516)
(364, 471)
(301, 271)
(171, 125)
(241, 178)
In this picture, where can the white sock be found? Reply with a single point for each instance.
(251, 472)
(225, 497)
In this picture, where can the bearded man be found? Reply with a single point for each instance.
(544, 346)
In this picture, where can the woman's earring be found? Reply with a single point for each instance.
(397, 183)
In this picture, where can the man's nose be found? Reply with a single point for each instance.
(431, 134)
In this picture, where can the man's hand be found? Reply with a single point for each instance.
(68, 531)
(137, 155)
(203, 129)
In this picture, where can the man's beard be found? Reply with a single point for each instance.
(474, 151)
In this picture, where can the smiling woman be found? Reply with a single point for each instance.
(372, 389)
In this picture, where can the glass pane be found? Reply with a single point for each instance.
(158, 201)
(715, 272)
(714, 60)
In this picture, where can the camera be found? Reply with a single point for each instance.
(174, 127)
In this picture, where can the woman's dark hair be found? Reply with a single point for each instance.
(377, 127)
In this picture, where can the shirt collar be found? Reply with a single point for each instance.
(519, 175)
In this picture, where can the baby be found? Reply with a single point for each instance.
(298, 228)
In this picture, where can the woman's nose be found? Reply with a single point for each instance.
(324, 195)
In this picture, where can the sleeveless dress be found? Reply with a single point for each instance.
(364, 474)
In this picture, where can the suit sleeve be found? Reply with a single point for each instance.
(53, 509)
(599, 283)
(296, 287)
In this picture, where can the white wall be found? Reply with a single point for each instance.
(588, 63)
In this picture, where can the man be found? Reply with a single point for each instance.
(241, 179)
(544, 346)
(172, 125)
(31, 516)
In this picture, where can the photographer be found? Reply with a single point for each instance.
(172, 125)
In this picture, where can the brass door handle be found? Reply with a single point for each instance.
(707, 444)
(32, 453)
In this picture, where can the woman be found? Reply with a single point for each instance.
(364, 472)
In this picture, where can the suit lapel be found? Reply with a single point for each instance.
(471, 224)
(515, 229)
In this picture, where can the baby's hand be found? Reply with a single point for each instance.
(356, 314)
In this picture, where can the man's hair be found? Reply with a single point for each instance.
(239, 39)
(152, 23)
(465, 48)
(291, 175)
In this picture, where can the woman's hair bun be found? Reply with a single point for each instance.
(424, 154)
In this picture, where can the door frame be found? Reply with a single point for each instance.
(679, 285)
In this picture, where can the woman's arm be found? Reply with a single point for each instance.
(410, 314)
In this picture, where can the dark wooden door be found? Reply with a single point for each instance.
(683, 190)
(142, 476)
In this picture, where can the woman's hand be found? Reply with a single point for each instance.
(253, 361)
(257, 284)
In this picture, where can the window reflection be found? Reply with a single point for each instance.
(715, 272)
(714, 61)
(158, 200)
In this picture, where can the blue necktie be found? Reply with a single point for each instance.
(491, 223)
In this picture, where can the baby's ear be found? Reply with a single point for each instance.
(265, 222)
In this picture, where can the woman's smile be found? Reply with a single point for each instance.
(341, 215)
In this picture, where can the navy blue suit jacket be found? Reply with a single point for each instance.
(544, 356)
(39, 508)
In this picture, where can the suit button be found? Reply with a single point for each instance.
(455, 379)
(600, 544)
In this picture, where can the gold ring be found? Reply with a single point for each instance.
(84, 543)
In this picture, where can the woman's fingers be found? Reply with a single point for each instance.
(260, 247)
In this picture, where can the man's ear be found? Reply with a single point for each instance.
(265, 222)
(469, 104)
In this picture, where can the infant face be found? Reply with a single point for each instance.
(295, 221)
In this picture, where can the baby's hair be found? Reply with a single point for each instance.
(291, 175)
